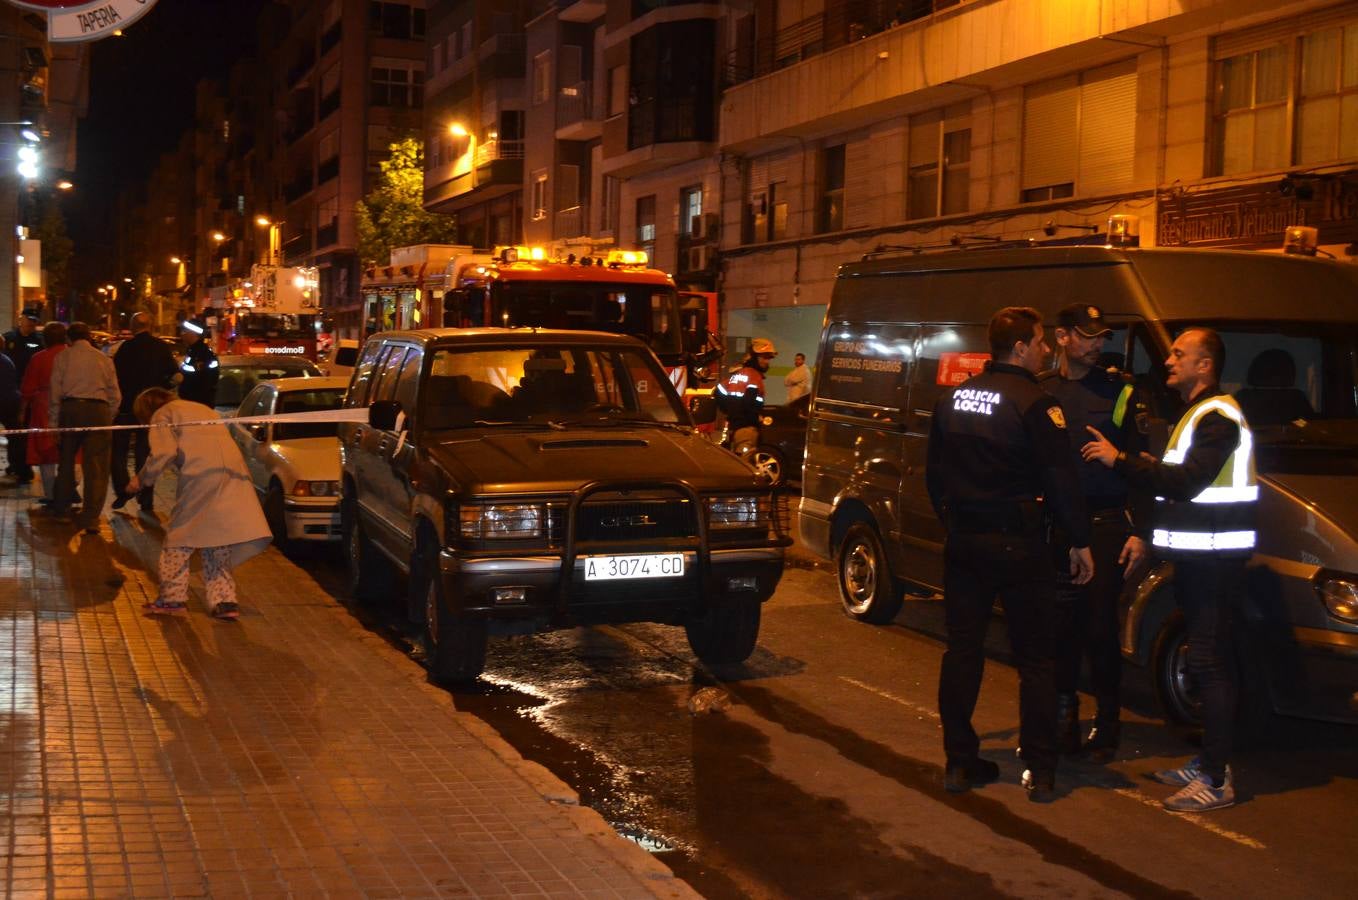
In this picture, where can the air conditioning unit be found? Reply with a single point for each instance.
(699, 258)
(704, 227)
(695, 228)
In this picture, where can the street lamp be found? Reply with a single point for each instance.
(65, 185)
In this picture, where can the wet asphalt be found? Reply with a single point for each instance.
(814, 769)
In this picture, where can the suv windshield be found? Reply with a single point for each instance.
(1296, 384)
(545, 384)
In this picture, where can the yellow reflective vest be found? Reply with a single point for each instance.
(1219, 521)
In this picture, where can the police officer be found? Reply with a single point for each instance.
(199, 366)
(1087, 615)
(1205, 524)
(21, 344)
(741, 394)
(998, 457)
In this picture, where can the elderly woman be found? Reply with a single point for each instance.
(215, 508)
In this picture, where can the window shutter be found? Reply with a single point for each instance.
(1107, 130)
(1050, 154)
(860, 176)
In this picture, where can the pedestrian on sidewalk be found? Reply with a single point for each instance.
(9, 395)
(21, 345)
(215, 510)
(84, 395)
(143, 361)
(42, 450)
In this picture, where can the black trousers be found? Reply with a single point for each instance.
(1209, 593)
(1018, 571)
(16, 450)
(1087, 621)
(139, 441)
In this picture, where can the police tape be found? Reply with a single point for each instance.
(316, 415)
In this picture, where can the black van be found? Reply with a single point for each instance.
(902, 329)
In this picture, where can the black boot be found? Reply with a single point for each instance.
(1102, 744)
(1068, 724)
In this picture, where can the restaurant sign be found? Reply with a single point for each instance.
(83, 20)
(1256, 215)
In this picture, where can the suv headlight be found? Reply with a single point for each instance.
(1340, 597)
(737, 512)
(506, 521)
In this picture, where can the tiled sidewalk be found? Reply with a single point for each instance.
(291, 753)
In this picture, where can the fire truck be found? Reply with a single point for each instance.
(276, 312)
(615, 290)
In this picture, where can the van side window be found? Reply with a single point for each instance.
(946, 356)
(363, 374)
(409, 380)
(864, 370)
(384, 385)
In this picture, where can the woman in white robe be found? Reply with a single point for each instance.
(215, 510)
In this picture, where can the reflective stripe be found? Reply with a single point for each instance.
(1203, 540)
(1247, 494)
(1120, 408)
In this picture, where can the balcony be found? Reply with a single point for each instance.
(300, 69)
(580, 10)
(495, 168)
(303, 121)
(297, 248)
(575, 120)
(298, 188)
(327, 170)
(327, 235)
(331, 37)
(571, 223)
(329, 104)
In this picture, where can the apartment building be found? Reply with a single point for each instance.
(845, 128)
(348, 81)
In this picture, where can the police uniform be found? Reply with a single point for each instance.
(1087, 615)
(200, 371)
(999, 464)
(20, 349)
(1206, 493)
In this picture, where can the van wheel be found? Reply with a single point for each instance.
(370, 573)
(726, 633)
(1177, 692)
(454, 646)
(867, 588)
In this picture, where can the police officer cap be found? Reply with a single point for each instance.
(1084, 318)
(762, 347)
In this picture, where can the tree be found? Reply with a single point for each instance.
(393, 215)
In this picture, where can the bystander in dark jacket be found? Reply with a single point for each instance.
(143, 361)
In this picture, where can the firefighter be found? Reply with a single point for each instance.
(740, 396)
(199, 366)
(998, 456)
(1205, 492)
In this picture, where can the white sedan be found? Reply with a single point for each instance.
(295, 466)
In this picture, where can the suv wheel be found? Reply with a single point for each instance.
(454, 646)
(725, 633)
(867, 589)
(370, 573)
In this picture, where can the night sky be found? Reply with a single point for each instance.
(141, 100)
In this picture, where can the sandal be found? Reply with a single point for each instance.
(227, 609)
(163, 607)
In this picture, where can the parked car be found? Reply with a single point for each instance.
(782, 441)
(341, 358)
(240, 374)
(902, 329)
(294, 465)
(533, 480)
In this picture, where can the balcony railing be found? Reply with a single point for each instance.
(297, 188)
(330, 38)
(842, 22)
(297, 246)
(574, 104)
(300, 68)
(327, 235)
(327, 170)
(498, 149)
(572, 222)
(329, 104)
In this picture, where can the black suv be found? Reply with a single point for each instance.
(527, 480)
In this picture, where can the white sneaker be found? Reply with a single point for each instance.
(1201, 796)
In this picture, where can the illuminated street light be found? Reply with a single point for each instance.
(103, 290)
(64, 185)
(175, 261)
(457, 129)
(29, 134)
(218, 236)
(127, 280)
(263, 221)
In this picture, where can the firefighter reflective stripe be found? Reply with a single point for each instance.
(1120, 407)
(1220, 517)
(1203, 540)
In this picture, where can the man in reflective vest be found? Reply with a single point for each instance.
(741, 394)
(1205, 492)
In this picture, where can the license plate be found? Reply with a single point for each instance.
(611, 568)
